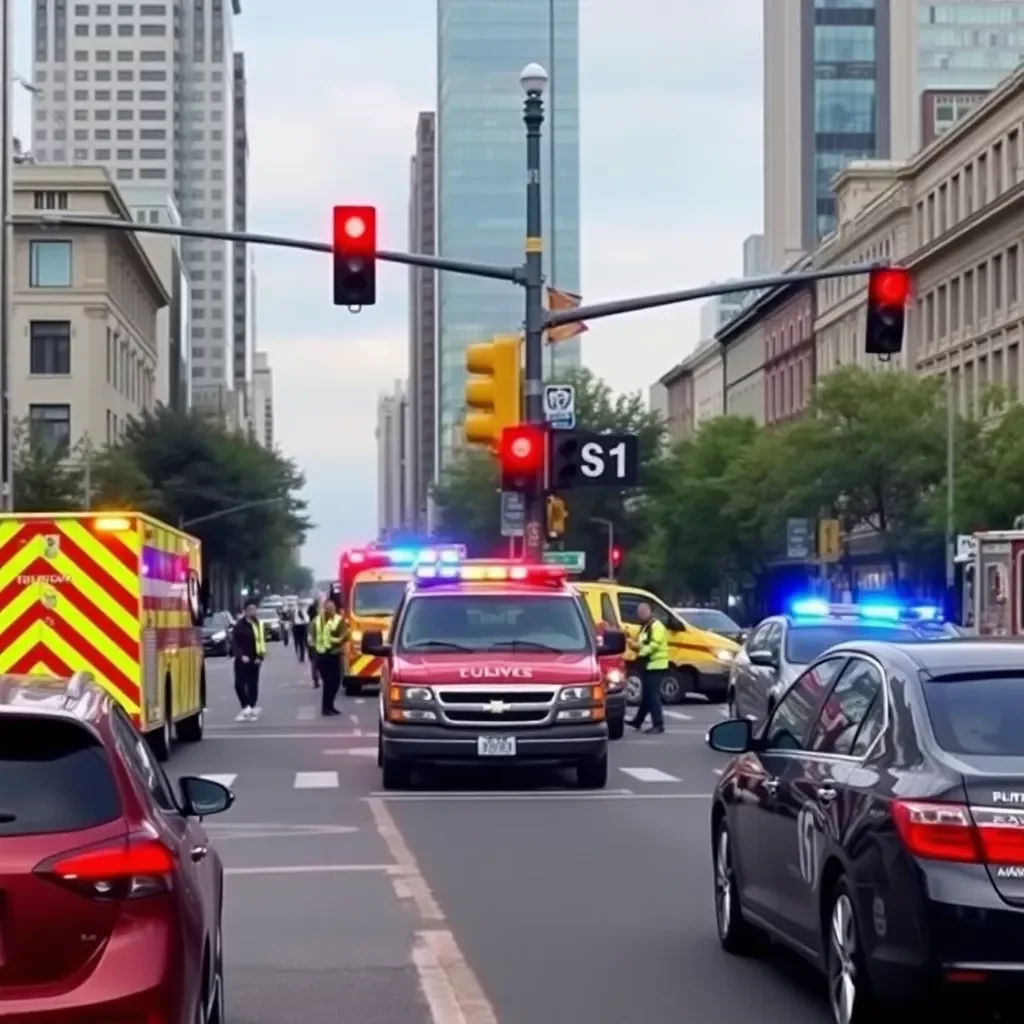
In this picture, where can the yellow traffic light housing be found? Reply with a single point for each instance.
(558, 515)
(493, 389)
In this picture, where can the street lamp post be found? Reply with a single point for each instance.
(534, 80)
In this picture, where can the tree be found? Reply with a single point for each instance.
(989, 480)
(467, 494)
(186, 470)
(46, 477)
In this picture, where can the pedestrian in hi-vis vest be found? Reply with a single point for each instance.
(329, 633)
(249, 644)
(314, 670)
(651, 646)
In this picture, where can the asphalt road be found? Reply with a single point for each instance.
(469, 900)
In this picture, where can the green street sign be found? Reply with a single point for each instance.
(573, 561)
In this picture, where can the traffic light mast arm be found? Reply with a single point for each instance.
(748, 284)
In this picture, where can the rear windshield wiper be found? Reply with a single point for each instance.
(529, 645)
(447, 645)
(6, 817)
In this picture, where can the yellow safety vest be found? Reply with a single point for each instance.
(654, 645)
(325, 638)
(261, 639)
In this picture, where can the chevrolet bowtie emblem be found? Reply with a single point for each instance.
(498, 707)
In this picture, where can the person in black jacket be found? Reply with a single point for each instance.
(249, 644)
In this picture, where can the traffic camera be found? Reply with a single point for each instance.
(493, 389)
(888, 296)
(558, 515)
(355, 256)
(521, 452)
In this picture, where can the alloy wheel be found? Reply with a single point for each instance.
(723, 884)
(842, 983)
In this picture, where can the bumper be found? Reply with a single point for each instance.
(431, 744)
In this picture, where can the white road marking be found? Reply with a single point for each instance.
(449, 985)
(242, 733)
(354, 719)
(316, 780)
(311, 869)
(226, 830)
(305, 713)
(498, 796)
(649, 775)
(717, 771)
(679, 715)
(360, 700)
(224, 780)
(354, 751)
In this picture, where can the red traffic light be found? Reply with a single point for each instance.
(522, 450)
(616, 557)
(889, 287)
(355, 254)
(355, 230)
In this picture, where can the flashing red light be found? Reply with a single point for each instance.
(355, 253)
(616, 557)
(890, 287)
(522, 450)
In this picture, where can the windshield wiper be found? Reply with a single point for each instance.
(447, 645)
(6, 817)
(528, 645)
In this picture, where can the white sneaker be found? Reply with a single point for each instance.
(244, 715)
(255, 712)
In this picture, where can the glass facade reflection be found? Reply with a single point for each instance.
(972, 44)
(846, 122)
(481, 158)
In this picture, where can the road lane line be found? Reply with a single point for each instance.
(224, 780)
(312, 869)
(303, 734)
(539, 797)
(316, 780)
(650, 775)
(679, 715)
(354, 719)
(449, 985)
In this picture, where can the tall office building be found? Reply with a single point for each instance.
(147, 90)
(863, 79)
(481, 152)
(262, 414)
(422, 323)
(392, 452)
(242, 367)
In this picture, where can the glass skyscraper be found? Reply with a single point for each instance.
(481, 161)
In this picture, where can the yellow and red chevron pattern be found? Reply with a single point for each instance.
(365, 666)
(70, 596)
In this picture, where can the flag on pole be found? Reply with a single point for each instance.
(558, 301)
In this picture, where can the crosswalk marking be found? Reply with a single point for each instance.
(305, 713)
(649, 775)
(316, 780)
(678, 715)
(224, 780)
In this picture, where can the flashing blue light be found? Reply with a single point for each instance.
(811, 607)
(403, 556)
(424, 556)
(928, 613)
(889, 612)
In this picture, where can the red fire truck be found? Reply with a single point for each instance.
(994, 583)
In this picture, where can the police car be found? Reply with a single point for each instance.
(782, 646)
(492, 663)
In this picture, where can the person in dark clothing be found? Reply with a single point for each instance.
(300, 628)
(329, 635)
(249, 644)
(314, 670)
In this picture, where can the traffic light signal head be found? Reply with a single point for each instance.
(888, 297)
(616, 557)
(558, 514)
(355, 256)
(493, 389)
(521, 451)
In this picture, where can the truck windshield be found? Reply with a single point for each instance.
(493, 622)
(377, 597)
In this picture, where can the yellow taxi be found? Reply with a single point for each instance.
(699, 660)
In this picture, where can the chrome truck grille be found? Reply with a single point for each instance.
(496, 708)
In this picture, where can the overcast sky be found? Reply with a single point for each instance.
(670, 97)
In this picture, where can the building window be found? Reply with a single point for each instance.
(50, 425)
(50, 264)
(50, 347)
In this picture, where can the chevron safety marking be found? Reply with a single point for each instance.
(70, 601)
(366, 666)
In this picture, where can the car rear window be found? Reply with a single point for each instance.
(983, 715)
(54, 777)
(805, 644)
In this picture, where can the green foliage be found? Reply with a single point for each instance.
(467, 496)
(45, 478)
(187, 471)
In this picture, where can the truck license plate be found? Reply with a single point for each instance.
(496, 746)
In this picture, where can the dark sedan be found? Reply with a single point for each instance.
(876, 825)
(217, 634)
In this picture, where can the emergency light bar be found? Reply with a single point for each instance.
(490, 572)
(872, 611)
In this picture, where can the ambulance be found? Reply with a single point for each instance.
(372, 581)
(117, 595)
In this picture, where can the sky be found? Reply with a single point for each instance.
(671, 184)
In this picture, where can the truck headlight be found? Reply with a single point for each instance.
(410, 695)
(575, 694)
(725, 657)
(357, 636)
(614, 679)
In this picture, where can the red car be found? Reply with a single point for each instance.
(110, 894)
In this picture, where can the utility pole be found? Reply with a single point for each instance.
(87, 472)
(534, 80)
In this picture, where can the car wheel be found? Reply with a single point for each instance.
(735, 934)
(849, 992)
(634, 689)
(616, 727)
(161, 740)
(380, 751)
(676, 685)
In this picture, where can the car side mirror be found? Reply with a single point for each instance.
(763, 659)
(612, 641)
(203, 797)
(373, 644)
(733, 737)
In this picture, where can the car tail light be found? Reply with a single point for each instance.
(128, 868)
(956, 832)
